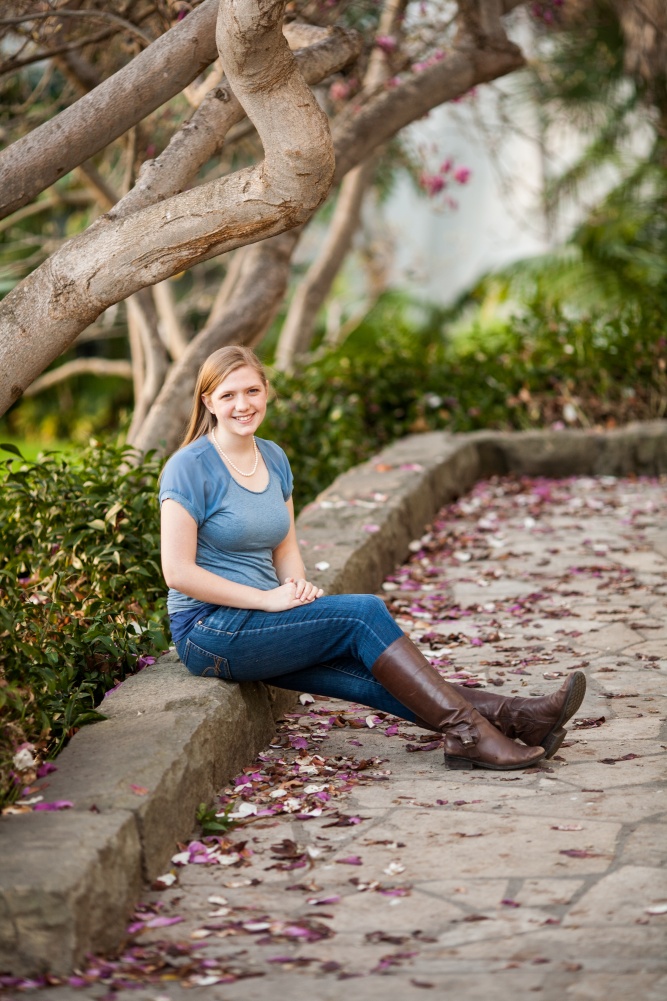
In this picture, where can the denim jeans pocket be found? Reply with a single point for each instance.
(204, 664)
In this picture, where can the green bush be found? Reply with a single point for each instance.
(402, 371)
(82, 598)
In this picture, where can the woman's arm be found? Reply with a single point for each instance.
(179, 548)
(289, 564)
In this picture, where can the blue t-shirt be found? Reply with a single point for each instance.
(237, 528)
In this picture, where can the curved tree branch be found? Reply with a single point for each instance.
(80, 366)
(100, 15)
(362, 131)
(116, 258)
(203, 135)
(34, 162)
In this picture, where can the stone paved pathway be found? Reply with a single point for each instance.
(548, 882)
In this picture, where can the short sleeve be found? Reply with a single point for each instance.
(286, 479)
(182, 481)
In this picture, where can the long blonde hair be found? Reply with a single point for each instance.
(215, 369)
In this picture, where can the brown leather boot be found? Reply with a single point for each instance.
(535, 721)
(470, 740)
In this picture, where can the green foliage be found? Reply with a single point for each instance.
(213, 823)
(82, 599)
(401, 372)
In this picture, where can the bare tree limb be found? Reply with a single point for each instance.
(100, 188)
(203, 135)
(168, 324)
(34, 162)
(80, 366)
(115, 258)
(359, 133)
(141, 314)
(299, 326)
(100, 15)
(45, 204)
(297, 331)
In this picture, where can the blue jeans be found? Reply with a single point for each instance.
(326, 647)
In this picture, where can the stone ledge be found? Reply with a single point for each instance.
(69, 880)
(417, 475)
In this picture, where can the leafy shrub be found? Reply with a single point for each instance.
(401, 371)
(82, 598)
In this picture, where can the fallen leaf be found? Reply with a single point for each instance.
(612, 761)
(164, 881)
(579, 853)
(591, 721)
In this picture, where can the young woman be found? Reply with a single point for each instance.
(242, 608)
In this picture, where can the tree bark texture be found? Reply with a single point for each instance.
(203, 135)
(297, 331)
(157, 74)
(116, 258)
(142, 320)
(299, 327)
(257, 294)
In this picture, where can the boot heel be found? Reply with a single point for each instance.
(458, 764)
(553, 742)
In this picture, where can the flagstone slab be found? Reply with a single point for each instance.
(622, 898)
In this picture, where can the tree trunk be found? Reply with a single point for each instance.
(297, 332)
(44, 314)
(168, 324)
(258, 292)
(299, 326)
(142, 317)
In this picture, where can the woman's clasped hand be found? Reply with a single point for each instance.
(291, 594)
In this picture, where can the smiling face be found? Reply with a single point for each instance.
(238, 404)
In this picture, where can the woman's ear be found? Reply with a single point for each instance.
(204, 400)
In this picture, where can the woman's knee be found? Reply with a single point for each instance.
(369, 605)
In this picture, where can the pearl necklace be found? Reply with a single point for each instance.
(227, 459)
